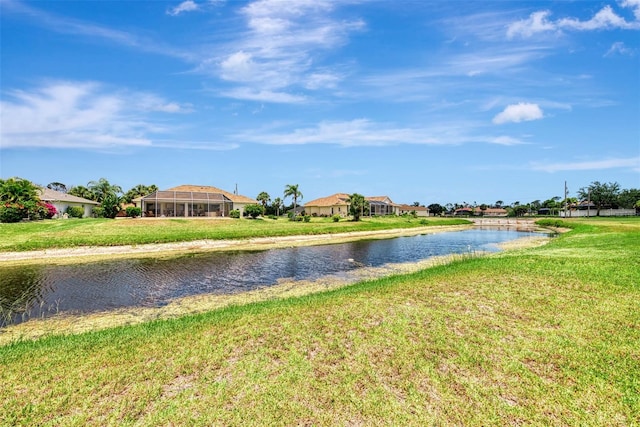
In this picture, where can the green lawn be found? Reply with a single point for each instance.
(541, 336)
(105, 232)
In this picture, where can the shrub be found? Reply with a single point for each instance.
(234, 213)
(110, 205)
(51, 210)
(76, 211)
(307, 218)
(133, 212)
(273, 217)
(12, 212)
(98, 212)
(253, 210)
(424, 222)
(336, 218)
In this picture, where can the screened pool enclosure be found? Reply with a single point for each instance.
(170, 203)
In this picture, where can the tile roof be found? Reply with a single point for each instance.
(209, 189)
(49, 195)
(413, 208)
(383, 199)
(333, 200)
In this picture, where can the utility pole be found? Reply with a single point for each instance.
(565, 199)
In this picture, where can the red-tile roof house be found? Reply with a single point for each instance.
(336, 204)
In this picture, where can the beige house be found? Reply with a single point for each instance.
(381, 205)
(63, 201)
(192, 201)
(336, 204)
(420, 211)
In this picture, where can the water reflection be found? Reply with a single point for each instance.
(39, 291)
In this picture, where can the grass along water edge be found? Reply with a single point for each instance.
(544, 335)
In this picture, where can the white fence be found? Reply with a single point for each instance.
(593, 212)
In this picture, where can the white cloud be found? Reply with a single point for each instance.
(618, 48)
(632, 163)
(185, 6)
(250, 94)
(605, 18)
(367, 133)
(506, 140)
(536, 23)
(79, 115)
(278, 50)
(519, 113)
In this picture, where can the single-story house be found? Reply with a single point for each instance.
(192, 201)
(336, 204)
(62, 201)
(420, 211)
(382, 205)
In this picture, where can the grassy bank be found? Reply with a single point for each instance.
(543, 336)
(70, 233)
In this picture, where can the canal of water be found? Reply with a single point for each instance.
(43, 290)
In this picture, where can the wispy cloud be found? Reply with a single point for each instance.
(521, 112)
(193, 6)
(80, 115)
(618, 48)
(66, 25)
(605, 18)
(277, 50)
(615, 163)
(368, 133)
(185, 6)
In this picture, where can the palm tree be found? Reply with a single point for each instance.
(102, 188)
(264, 198)
(277, 203)
(18, 190)
(81, 191)
(139, 190)
(293, 191)
(357, 205)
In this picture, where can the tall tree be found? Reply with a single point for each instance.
(628, 198)
(139, 190)
(263, 198)
(436, 209)
(82, 191)
(18, 190)
(292, 190)
(102, 188)
(357, 205)
(600, 194)
(277, 204)
(57, 186)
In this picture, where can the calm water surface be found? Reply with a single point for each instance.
(40, 291)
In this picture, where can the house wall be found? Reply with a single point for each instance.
(342, 210)
(61, 207)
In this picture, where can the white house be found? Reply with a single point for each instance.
(62, 201)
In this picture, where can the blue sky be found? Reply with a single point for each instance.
(434, 102)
